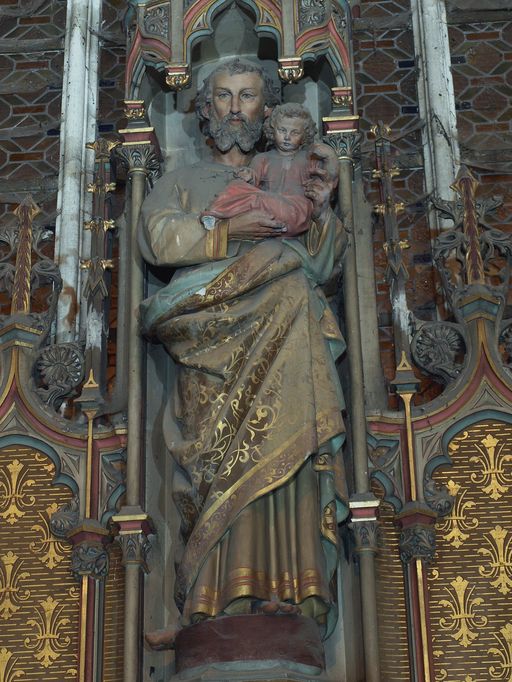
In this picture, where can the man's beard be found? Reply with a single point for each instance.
(245, 134)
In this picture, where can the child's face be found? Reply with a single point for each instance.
(289, 134)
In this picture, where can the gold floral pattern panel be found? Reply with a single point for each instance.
(39, 600)
(393, 643)
(471, 579)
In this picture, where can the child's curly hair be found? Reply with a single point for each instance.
(290, 110)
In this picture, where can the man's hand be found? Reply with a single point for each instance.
(319, 189)
(254, 225)
(246, 174)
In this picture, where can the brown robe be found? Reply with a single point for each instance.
(254, 422)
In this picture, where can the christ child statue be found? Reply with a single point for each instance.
(274, 181)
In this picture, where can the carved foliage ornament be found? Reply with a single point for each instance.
(90, 558)
(141, 157)
(60, 371)
(366, 535)
(346, 145)
(135, 547)
(472, 244)
(438, 497)
(417, 542)
(20, 242)
(156, 21)
(435, 348)
(65, 518)
(311, 13)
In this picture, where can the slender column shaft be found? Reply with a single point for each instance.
(288, 10)
(353, 331)
(369, 616)
(138, 180)
(133, 573)
(436, 97)
(79, 98)
(132, 586)
(358, 420)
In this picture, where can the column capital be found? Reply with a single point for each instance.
(418, 535)
(364, 522)
(345, 140)
(134, 526)
(140, 156)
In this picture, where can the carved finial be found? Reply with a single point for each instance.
(91, 381)
(25, 212)
(465, 185)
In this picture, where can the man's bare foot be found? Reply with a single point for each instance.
(275, 608)
(160, 640)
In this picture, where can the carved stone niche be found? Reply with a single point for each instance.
(269, 649)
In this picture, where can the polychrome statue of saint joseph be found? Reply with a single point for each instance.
(254, 420)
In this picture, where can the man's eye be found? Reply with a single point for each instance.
(247, 95)
(222, 95)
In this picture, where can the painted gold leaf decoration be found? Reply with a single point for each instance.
(48, 549)
(47, 641)
(492, 460)
(462, 621)
(503, 670)
(7, 662)
(47, 466)
(13, 491)
(455, 525)
(499, 554)
(12, 594)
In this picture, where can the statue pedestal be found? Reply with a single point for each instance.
(247, 648)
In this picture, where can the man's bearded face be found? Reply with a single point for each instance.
(235, 129)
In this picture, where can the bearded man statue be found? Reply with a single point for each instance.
(254, 420)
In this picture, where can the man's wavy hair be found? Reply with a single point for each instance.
(290, 110)
(233, 67)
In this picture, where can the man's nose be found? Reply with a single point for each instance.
(235, 105)
(287, 136)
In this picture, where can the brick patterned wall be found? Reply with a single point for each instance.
(31, 67)
(482, 78)
(385, 69)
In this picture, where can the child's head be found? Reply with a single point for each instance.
(290, 127)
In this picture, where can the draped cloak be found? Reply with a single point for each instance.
(278, 190)
(254, 418)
